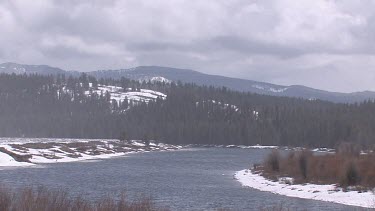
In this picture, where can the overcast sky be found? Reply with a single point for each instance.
(326, 44)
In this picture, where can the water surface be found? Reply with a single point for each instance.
(193, 179)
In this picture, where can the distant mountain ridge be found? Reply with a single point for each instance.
(167, 74)
(10, 67)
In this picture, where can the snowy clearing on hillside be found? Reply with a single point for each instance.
(223, 105)
(328, 193)
(26, 152)
(154, 79)
(119, 94)
(226, 106)
(270, 89)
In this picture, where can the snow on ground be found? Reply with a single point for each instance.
(160, 79)
(140, 144)
(270, 89)
(119, 94)
(262, 147)
(323, 150)
(318, 150)
(39, 159)
(154, 79)
(278, 90)
(226, 106)
(7, 160)
(10, 140)
(35, 151)
(329, 193)
(251, 147)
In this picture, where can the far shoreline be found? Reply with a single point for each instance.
(38, 156)
(30, 152)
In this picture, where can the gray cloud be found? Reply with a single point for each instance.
(325, 44)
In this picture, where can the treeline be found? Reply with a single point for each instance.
(48, 106)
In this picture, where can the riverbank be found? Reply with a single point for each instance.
(257, 146)
(28, 152)
(328, 193)
(16, 152)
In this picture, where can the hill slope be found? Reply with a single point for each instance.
(10, 67)
(83, 107)
(190, 76)
(166, 74)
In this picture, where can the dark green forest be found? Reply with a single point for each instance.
(57, 106)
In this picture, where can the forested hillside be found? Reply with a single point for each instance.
(168, 74)
(59, 106)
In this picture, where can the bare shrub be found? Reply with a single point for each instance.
(366, 165)
(273, 161)
(349, 149)
(5, 198)
(44, 199)
(350, 176)
(39, 145)
(289, 165)
(302, 163)
(343, 169)
(279, 207)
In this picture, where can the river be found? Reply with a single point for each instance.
(189, 179)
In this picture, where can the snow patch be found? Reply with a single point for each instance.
(6, 160)
(160, 79)
(154, 79)
(119, 94)
(278, 90)
(270, 89)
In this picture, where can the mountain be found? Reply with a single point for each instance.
(10, 67)
(166, 74)
(190, 76)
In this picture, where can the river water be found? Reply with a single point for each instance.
(190, 179)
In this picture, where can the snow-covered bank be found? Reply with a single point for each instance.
(27, 152)
(324, 150)
(233, 146)
(252, 147)
(7, 160)
(329, 193)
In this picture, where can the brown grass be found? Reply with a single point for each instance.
(345, 168)
(43, 199)
(279, 207)
(39, 145)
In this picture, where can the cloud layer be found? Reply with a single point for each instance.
(327, 44)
